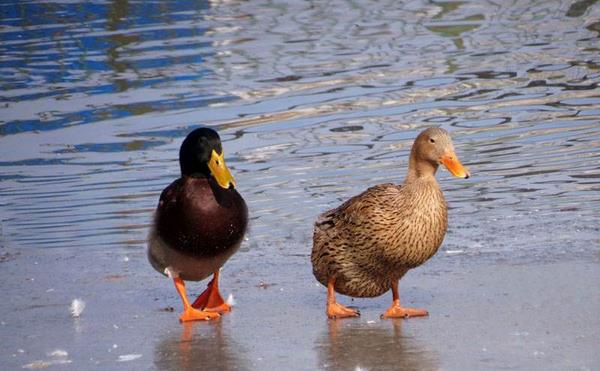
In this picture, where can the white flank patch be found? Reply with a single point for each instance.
(129, 357)
(77, 307)
(230, 300)
(171, 273)
(454, 252)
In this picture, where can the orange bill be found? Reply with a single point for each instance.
(451, 162)
(219, 170)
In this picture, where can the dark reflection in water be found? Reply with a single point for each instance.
(349, 346)
(117, 14)
(579, 7)
(198, 346)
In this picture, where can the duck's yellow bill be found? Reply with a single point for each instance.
(451, 162)
(219, 170)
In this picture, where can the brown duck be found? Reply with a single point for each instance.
(363, 247)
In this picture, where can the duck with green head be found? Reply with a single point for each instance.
(199, 223)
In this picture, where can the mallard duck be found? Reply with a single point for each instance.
(199, 223)
(363, 247)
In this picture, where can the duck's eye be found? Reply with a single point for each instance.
(431, 140)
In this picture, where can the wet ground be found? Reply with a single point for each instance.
(315, 102)
(493, 315)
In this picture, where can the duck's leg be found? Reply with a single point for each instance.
(334, 309)
(211, 300)
(189, 313)
(396, 311)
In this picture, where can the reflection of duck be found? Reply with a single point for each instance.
(199, 223)
(363, 247)
(208, 350)
(372, 348)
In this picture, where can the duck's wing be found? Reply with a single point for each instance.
(168, 197)
(342, 239)
(168, 216)
(357, 210)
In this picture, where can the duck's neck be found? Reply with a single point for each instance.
(419, 169)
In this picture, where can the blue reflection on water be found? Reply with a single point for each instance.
(56, 49)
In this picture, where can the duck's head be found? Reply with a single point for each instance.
(434, 147)
(201, 155)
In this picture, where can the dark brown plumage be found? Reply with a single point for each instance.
(199, 218)
(364, 246)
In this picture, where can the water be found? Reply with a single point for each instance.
(315, 101)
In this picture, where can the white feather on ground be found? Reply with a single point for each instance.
(128, 357)
(77, 307)
(58, 353)
(58, 357)
(230, 300)
(45, 364)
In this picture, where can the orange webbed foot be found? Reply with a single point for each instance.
(222, 308)
(336, 310)
(211, 300)
(191, 314)
(202, 299)
(396, 311)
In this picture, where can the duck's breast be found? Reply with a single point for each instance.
(419, 229)
(196, 216)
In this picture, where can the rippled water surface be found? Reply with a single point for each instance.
(315, 102)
